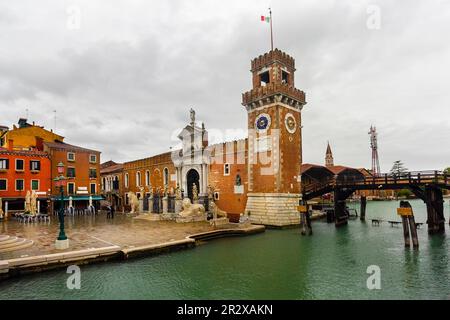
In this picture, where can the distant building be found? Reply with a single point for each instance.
(41, 151)
(82, 170)
(111, 175)
(329, 161)
(27, 136)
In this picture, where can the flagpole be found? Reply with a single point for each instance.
(271, 32)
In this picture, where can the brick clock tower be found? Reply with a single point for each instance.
(275, 141)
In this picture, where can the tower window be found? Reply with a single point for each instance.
(226, 169)
(264, 78)
(284, 77)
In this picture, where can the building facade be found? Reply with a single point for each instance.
(23, 171)
(111, 175)
(259, 175)
(82, 169)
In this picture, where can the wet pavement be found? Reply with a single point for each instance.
(86, 232)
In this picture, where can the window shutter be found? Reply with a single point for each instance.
(7, 163)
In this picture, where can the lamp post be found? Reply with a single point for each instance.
(62, 242)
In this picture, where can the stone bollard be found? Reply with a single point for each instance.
(165, 204)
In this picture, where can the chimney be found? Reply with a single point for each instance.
(39, 143)
(10, 144)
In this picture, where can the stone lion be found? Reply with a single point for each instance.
(134, 202)
(191, 210)
(216, 211)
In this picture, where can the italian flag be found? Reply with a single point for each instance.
(265, 19)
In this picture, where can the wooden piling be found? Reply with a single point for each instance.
(308, 221)
(406, 231)
(413, 228)
(363, 208)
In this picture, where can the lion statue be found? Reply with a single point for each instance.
(134, 202)
(216, 211)
(191, 210)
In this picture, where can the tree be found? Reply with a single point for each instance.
(447, 170)
(398, 169)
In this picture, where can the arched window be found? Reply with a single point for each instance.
(127, 180)
(147, 178)
(166, 176)
(138, 179)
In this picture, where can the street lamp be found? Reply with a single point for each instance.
(61, 242)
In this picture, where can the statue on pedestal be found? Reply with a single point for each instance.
(33, 203)
(134, 202)
(194, 192)
(192, 210)
(1, 208)
(210, 193)
(28, 202)
(178, 195)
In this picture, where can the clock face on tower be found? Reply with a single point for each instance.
(262, 122)
(291, 124)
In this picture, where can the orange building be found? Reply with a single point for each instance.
(82, 170)
(22, 171)
(144, 175)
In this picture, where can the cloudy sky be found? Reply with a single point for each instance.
(122, 75)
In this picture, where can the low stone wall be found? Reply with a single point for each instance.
(273, 209)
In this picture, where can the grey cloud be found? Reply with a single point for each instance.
(126, 80)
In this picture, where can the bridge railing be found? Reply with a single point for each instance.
(413, 177)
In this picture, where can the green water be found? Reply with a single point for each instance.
(278, 264)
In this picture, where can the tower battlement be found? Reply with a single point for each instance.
(271, 57)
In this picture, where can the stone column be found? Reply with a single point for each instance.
(164, 201)
(141, 204)
(38, 206)
(6, 209)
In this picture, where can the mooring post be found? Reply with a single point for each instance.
(308, 221)
(435, 210)
(413, 228)
(406, 231)
(363, 208)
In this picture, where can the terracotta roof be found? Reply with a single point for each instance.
(306, 166)
(26, 153)
(66, 146)
(112, 169)
(339, 169)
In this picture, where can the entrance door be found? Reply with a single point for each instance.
(191, 178)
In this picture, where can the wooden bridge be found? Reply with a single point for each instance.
(426, 185)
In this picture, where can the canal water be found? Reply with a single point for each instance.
(278, 264)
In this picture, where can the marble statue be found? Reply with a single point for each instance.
(1, 210)
(28, 202)
(194, 192)
(178, 193)
(33, 203)
(217, 213)
(192, 112)
(238, 180)
(211, 193)
(192, 210)
(134, 202)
